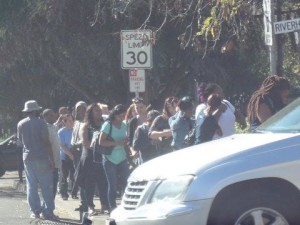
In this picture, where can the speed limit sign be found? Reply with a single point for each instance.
(136, 49)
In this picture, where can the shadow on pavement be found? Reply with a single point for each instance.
(11, 193)
(9, 178)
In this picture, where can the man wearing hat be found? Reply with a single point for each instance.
(38, 161)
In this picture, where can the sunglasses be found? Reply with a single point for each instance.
(138, 100)
(186, 99)
(118, 109)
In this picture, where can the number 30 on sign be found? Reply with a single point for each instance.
(136, 49)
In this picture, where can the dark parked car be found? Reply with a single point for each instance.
(9, 154)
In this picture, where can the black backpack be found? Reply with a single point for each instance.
(99, 150)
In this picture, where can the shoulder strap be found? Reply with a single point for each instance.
(110, 128)
(135, 123)
(74, 139)
(228, 106)
(190, 124)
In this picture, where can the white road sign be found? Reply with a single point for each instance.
(136, 51)
(267, 22)
(286, 26)
(137, 80)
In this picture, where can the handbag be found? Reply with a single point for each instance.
(99, 150)
(76, 150)
(190, 138)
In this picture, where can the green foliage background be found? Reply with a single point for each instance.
(61, 51)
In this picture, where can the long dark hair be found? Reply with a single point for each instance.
(210, 89)
(88, 116)
(117, 110)
(185, 103)
(170, 100)
(271, 88)
(213, 102)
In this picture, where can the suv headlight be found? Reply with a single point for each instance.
(172, 189)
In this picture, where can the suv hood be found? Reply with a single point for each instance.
(204, 156)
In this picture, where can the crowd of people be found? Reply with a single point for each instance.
(58, 150)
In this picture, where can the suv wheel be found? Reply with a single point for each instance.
(261, 216)
(262, 209)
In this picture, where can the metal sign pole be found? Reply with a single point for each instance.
(270, 38)
(273, 47)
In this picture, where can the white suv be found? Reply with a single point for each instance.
(244, 179)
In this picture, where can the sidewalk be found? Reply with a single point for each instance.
(65, 208)
(68, 206)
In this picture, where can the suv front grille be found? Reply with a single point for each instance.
(133, 194)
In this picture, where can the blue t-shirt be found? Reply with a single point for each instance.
(65, 136)
(118, 153)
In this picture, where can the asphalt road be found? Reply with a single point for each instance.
(14, 209)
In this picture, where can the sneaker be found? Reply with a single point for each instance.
(92, 212)
(86, 220)
(104, 211)
(74, 197)
(35, 216)
(50, 217)
(79, 208)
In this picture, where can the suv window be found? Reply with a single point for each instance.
(286, 120)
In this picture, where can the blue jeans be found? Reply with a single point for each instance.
(75, 187)
(115, 174)
(39, 172)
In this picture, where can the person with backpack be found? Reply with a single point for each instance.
(115, 162)
(210, 127)
(226, 120)
(142, 143)
(160, 132)
(140, 108)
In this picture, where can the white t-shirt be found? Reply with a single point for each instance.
(199, 109)
(226, 120)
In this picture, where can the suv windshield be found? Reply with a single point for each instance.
(286, 120)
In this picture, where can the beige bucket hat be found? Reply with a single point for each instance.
(30, 106)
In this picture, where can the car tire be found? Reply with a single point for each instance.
(265, 208)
